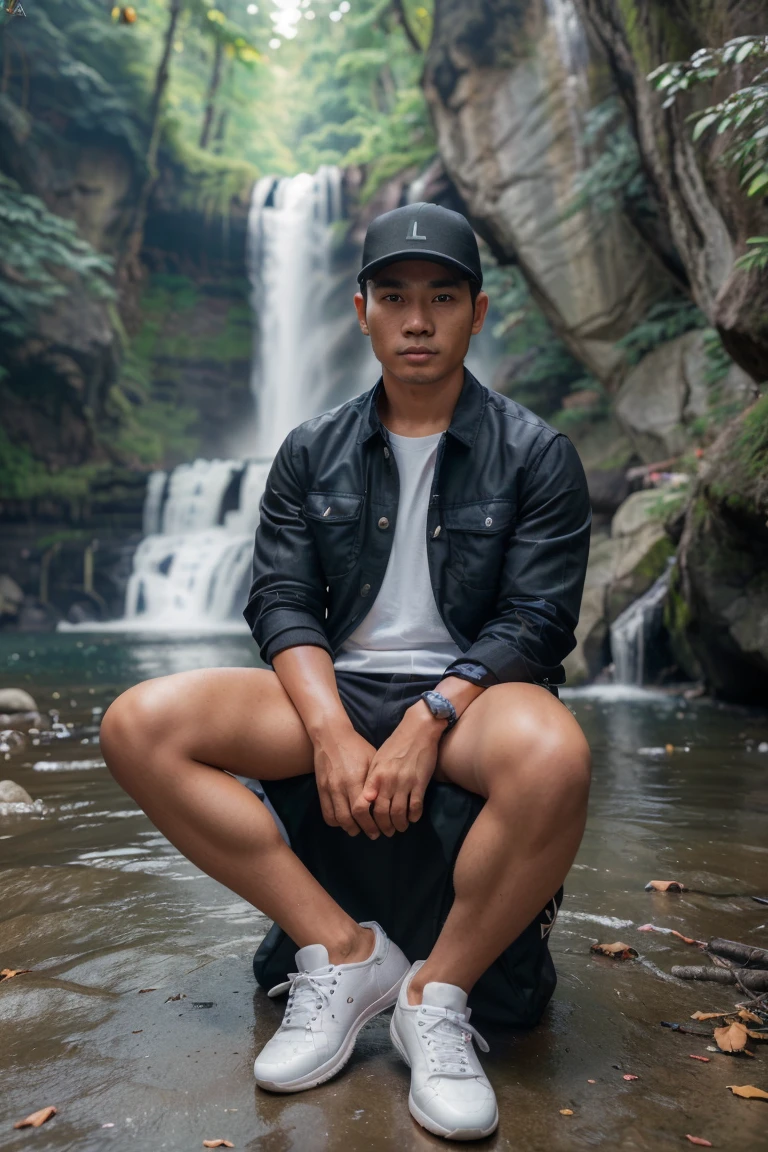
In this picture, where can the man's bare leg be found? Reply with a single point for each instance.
(165, 741)
(521, 748)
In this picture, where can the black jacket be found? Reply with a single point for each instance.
(508, 530)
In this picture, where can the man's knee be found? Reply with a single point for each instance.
(540, 744)
(137, 720)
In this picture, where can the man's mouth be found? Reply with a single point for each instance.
(417, 353)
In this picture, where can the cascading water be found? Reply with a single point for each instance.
(635, 633)
(191, 571)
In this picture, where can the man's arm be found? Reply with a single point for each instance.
(287, 600)
(341, 755)
(537, 607)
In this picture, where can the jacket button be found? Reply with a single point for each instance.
(436, 533)
(383, 522)
(386, 453)
(365, 589)
(488, 521)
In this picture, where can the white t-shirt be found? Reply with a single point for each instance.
(403, 631)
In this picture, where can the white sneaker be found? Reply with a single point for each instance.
(327, 1006)
(450, 1094)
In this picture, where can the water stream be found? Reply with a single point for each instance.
(100, 906)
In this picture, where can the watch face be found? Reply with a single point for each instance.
(437, 706)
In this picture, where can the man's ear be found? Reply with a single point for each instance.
(481, 308)
(360, 309)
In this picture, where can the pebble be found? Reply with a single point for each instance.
(13, 793)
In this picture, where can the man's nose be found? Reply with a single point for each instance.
(417, 322)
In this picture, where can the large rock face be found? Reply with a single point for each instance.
(508, 83)
(667, 392)
(718, 610)
(708, 213)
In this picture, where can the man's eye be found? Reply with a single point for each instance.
(391, 296)
(443, 296)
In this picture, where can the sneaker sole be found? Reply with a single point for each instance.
(340, 1058)
(426, 1121)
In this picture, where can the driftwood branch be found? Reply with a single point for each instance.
(743, 953)
(753, 981)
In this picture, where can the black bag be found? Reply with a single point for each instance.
(405, 883)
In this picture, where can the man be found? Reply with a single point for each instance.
(418, 570)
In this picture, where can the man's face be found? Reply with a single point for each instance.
(419, 316)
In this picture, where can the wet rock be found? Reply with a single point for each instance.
(591, 651)
(700, 199)
(509, 89)
(642, 546)
(16, 700)
(35, 616)
(667, 391)
(13, 793)
(20, 719)
(11, 596)
(718, 604)
(11, 740)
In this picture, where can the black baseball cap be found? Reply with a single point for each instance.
(421, 232)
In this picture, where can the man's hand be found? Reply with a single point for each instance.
(400, 771)
(342, 759)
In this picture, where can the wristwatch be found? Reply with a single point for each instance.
(440, 707)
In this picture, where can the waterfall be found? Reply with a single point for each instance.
(192, 569)
(290, 236)
(635, 633)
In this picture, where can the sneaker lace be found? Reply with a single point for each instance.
(308, 993)
(448, 1037)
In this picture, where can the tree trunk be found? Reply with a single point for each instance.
(213, 89)
(128, 266)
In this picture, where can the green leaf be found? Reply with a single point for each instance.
(703, 124)
(744, 51)
(724, 125)
(758, 184)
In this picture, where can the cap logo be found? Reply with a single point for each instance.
(414, 234)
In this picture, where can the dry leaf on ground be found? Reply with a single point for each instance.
(708, 1015)
(218, 1144)
(146, 990)
(745, 1014)
(665, 886)
(698, 1140)
(7, 973)
(617, 951)
(566, 1111)
(629, 1076)
(748, 1092)
(704, 1059)
(178, 996)
(757, 1035)
(35, 1119)
(731, 1037)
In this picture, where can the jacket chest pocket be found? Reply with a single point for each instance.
(335, 521)
(478, 535)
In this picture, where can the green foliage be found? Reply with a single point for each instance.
(33, 243)
(357, 92)
(757, 258)
(664, 321)
(614, 177)
(743, 114)
(751, 446)
(545, 371)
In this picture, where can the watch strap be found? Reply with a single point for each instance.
(447, 710)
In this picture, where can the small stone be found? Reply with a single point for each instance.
(763, 746)
(13, 793)
(16, 700)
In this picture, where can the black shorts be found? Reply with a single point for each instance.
(404, 881)
(376, 701)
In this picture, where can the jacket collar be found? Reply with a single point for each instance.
(465, 421)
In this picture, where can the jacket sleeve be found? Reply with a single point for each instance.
(537, 608)
(287, 600)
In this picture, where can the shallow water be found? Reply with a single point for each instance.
(101, 906)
